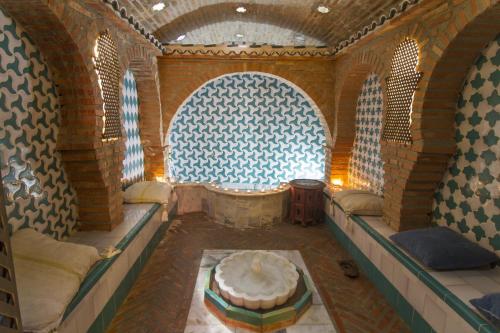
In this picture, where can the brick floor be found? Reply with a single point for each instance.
(160, 299)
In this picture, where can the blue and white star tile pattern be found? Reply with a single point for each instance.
(366, 168)
(247, 128)
(468, 199)
(39, 194)
(133, 163)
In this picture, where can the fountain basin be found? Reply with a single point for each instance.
(256, 279)
(258, 320)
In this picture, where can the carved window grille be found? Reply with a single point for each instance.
(108, 71)
(10, 317)
(401, 85)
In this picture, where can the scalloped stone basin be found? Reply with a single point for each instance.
(256, 279)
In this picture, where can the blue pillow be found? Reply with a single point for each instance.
(441, 248)
(489, 306)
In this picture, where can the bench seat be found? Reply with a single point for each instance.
(429, 301)
(107, 284)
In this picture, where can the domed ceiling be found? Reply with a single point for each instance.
(273, 22)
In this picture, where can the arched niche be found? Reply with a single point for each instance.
(467, 197)
(93, 166)
(351, 81)
(365, 164)
(142, 64)
(251, 104)
(415, 170)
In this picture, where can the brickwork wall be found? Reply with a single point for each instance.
(66, 31)
(450, 35)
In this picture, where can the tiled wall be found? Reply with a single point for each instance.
(468, 199)
(366, 165)
(247, 128)
(133, 164)
(36, 185)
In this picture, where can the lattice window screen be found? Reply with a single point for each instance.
(10, 317)
(108, 71)
(401, 85)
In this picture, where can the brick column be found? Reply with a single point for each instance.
(65, 33)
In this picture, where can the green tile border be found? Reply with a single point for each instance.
(478, 323)
(121, 292)
(107, 314)
(254, 318)
(404, 309)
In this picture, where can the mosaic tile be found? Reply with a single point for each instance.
(133, 164)
(366, 165)
(468, 198)
(37, 188)
(247, 128)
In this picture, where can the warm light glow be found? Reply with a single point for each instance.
(241, 9)
(337, 182)
(159, 178)
(323, 9)
(159, 6)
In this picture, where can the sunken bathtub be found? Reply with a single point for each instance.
(236, 205)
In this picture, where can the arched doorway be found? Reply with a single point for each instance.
(247, 128)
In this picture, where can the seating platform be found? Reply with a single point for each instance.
(109, 281)
(429, 301)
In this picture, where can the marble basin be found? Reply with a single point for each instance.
(256, 279)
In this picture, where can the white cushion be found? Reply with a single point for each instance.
(44, 293)
(48, 275)
(360, 202)
(345, 193)
(148, 192)
(29, 244)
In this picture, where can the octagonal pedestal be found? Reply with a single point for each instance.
(258, 320)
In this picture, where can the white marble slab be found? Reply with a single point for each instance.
(200, 320)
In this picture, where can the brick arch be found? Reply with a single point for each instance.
(198, 76)
(351, 81)
(308, 98)
(414, 171)
(92, 165)
(143, 65)
(318, 112)
(438, 96)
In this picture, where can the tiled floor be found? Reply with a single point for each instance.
(161, 297)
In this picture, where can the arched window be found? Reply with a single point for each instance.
(108, 72)
(401, 85)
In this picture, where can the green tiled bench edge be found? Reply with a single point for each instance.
(100, 268)
(108, 312)
(395, 299)
(478, 323)
(96, 272)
